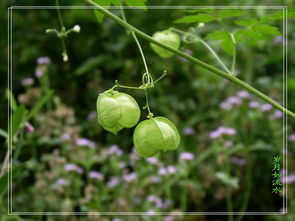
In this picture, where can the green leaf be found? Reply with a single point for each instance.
(92, 63)
(196, 18)
(17, 119)
(4, 178)
(11, 99)
(246, 22)
(217, 35)
(3, 133)
(40, 103)
(248, 34)
(98, 14)
(136, 3)
(267, 29)
(230, 13)
(278, 16)
(227, 46)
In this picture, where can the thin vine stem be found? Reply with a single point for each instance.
(59, 15)
(136, 40)
(192, 59)
(147, 104)
(207, 46)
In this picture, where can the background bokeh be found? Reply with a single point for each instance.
(71, 164)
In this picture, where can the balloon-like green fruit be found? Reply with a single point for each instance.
(116, 111)
(155, 134)
(167, 37)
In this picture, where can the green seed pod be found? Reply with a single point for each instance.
(167, 37)
(155, 134)
(116, 111)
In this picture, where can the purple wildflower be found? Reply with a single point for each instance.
(222, 130)
(266, 107)
(238, 161)
(225, 106)
(152, 198)
(171, 169)
(291, 137)
(95, 175)
(65, 136)
(189, 131)
(243, 94)
(277, 114)
(134, 156)
(288, 179)
(168, 218)
(79, 170)
(27, 81)
(162, 171)
(152, 160)
(62, 182)
(129, 177)
(29, 127)
(44, 60)
(214, 134)
(122, 165)
(116, 219)
(85, 142)
(254, 104)
(186, 156)
(229, 131)
(234, 100)
(73, 167)
(114, 181)
(115, 150)
(39, 72)
(155, 179)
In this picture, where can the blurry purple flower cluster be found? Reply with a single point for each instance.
(95, 175)
(115, 150)
(241, 96)
(159, 203)
(85, 142)
(222, 130)
(73, 167)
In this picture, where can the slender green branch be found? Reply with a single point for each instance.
(136, 40)
(147, 104)
(192, 59)
(163, 75)
(207, 46)
(233, 67)
(59, 15)
(127, 87)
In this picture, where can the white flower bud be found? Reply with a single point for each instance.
(65, 57)
(76, 28)
(201, 25)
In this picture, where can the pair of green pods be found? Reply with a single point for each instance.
(119, 110)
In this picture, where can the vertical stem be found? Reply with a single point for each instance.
(59, 15)
(147, 103)
(136, 40)
(233, 67)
